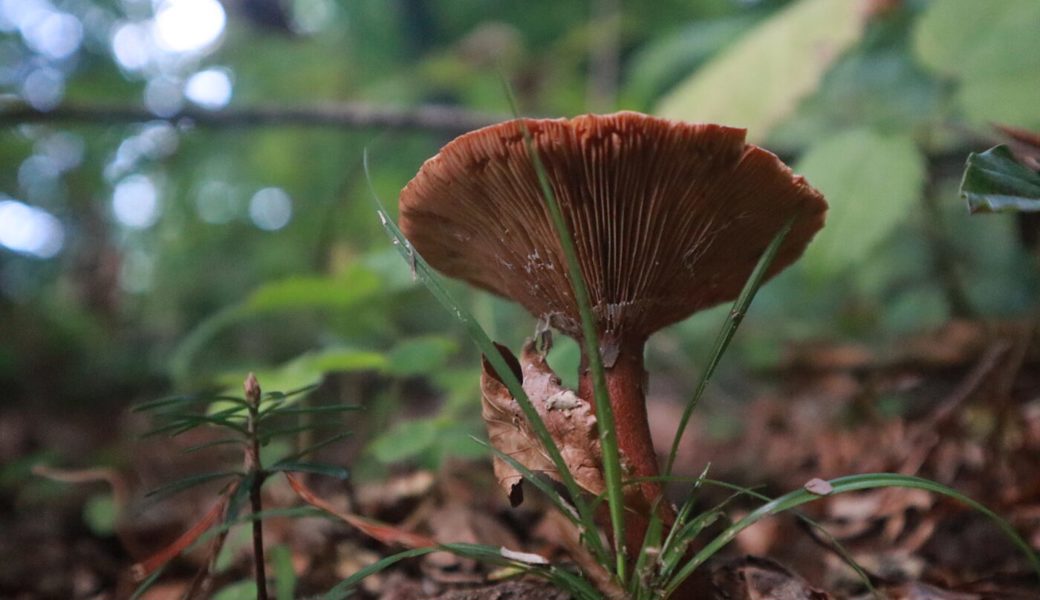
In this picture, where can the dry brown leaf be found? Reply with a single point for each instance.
(753, 578)
(568, 418)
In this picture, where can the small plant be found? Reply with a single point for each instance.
(251, 423)
(546, 245)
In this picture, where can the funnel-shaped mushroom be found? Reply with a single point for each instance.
(668, 218)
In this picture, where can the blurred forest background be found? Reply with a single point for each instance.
(182, 196)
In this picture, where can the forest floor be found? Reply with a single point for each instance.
(960, 406)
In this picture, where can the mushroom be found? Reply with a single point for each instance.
(667, 217)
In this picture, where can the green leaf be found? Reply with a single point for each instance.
(419, 356)
(284, 573)
(405, 440)
(872, 182)
(242, 590)
(995, 182)
(308, 467)
(305, 371)
(339, 292)
(100, 513)
(357, 285)
(760, 79)
(663, 61)
(992, 49)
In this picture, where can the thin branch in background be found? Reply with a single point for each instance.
(604, 55)
(349, 115)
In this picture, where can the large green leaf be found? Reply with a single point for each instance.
(420, 356)
(995, 182)
(405, 440)
(760, 80)
(871, 181)
(356, 286)
(310, 368)
(992, 49)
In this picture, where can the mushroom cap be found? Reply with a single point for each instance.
(667, 217)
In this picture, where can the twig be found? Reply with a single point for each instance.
(349, 115)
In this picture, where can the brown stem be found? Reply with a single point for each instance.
(626, 385)
(255, 468)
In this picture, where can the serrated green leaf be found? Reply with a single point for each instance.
(760, 79)
(995, 182)
(872, 182)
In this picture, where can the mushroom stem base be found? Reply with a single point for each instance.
(626, 385)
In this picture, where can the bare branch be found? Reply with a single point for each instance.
(443, 119)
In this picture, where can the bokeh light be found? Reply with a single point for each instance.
(162, 96)
(54, 34)
(270, 209)
(29, 230)
(217, 202)
(43, 88)
(210, 88)
(135, 202)
(131, 46)
(188, 25)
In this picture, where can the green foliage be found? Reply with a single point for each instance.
(241, 590)
(284, 573)
(992, 51)
(100, 514)
(760, 79)
(406, 440)
(995, 182)
(871, 182)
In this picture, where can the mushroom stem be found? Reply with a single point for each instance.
(626, 385)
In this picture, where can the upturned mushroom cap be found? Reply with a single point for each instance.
(668, 217)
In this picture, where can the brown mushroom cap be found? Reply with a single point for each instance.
(668, 217)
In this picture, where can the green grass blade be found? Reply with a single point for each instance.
(736, 315)
(345, 588)
(612, 474)
(425, 274)
(841, 485)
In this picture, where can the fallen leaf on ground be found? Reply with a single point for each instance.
(568, 418)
